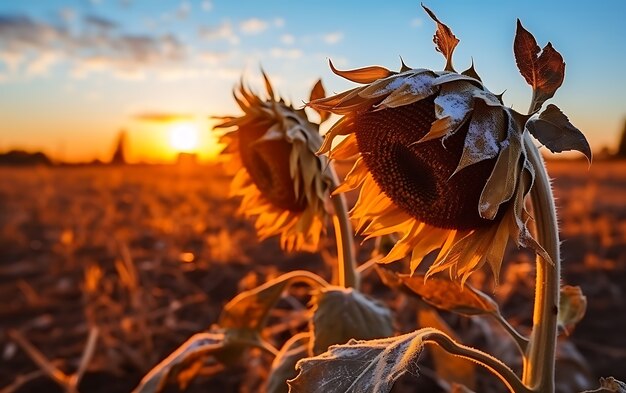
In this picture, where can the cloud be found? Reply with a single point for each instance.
(206, 5)
(417, 22)
(67, 14)
(253, 26)
(287, 39)
(224, 31)
(281, 53)
(35, 46)
(99, 22)
(279, 22)
(333, 38)
(184, 9)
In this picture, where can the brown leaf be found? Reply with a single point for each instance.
(360, 366)
(362, 75)
(553, 129)
(198, 346)
(444, 40)
(572, 307)
(268, 85)
(341, 314)
(544, 71)
(318, 92)
(250, 309)
(471, 72)
(449, 295)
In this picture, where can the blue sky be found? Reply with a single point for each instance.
(72, 73)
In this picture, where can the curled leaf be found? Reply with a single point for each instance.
(553, 129)
(544, 71)
(447, 294)
(444, 40)
(250, 309)
(572, 307)
(197, 347)
(341, 314)
(360, 366)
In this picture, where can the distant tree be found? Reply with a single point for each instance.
(119, 155)
(23, 158)
(621, 149)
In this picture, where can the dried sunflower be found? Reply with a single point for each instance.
(438, 159)
(277, 173)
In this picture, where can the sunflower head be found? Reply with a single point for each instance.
(438, 158)
(271, 149)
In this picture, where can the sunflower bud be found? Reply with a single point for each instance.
(277, 173)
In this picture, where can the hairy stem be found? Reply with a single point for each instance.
(497, 367)
(541, 351)
(346, 260)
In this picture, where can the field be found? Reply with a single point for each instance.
(143, 257)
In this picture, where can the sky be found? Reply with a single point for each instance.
(73, 73)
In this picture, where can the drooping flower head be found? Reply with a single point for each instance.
(271, 150)
(438, 159)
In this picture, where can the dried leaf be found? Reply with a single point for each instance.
(554, 130)
(268, 86)
(449, 295)
(544, 71)
(362, 75)
(609, 385)
(197, 347)
(572, 307)
(360, 366)
(318, 92)
(284, 365)
(250, 309)
(444, 40)
(341, 314)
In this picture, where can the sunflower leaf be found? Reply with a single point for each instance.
(572, 307)
(250, 309)
(360, 366)
(197, 347)
(553, 129)
(544, 71)
(444, 40)
(340, 314)
(318, 92)
(448, 295)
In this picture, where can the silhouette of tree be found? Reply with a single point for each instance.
(119, 155)
(621, 149)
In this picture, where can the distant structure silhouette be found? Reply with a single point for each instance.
(621, 149)
(119, 155)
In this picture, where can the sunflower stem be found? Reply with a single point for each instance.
(346, 260)
(540, 354)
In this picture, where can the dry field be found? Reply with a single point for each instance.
(147, 256)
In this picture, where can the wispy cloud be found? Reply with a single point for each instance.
(253, 26)
(333, 38)
(417, 22)
(286, 53)
(287, 39)
(162, 117)
(223, 31)
(38, 45)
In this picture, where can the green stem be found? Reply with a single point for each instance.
(346, 260)
(540, 354)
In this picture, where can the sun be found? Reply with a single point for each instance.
(184, 137)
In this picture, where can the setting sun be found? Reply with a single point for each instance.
(184, 137)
